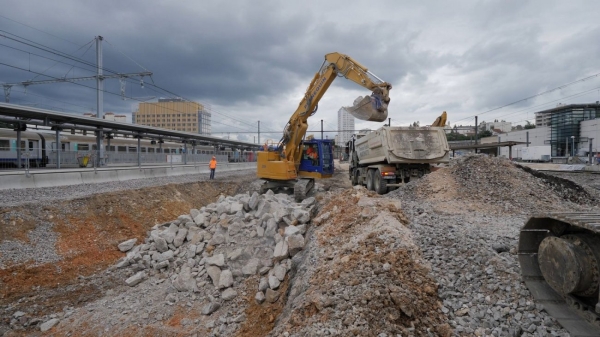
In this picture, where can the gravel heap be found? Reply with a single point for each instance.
(210, 260)
(466, 220)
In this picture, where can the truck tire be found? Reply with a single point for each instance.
(370, 186)
(355, 174)
(379, 184)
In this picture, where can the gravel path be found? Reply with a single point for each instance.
(13, 197)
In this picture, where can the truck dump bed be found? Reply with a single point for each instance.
(398, 145)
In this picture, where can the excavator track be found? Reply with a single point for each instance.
(559, 254)
(302, 188)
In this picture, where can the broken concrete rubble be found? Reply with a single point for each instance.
(217, 246)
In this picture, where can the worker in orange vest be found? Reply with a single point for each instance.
(212, 165)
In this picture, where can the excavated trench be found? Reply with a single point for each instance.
(53, 255)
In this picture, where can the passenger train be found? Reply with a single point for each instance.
(39, 148)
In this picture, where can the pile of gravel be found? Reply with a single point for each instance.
(500, 186)
(466, 220)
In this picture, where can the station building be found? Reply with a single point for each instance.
(566, 129)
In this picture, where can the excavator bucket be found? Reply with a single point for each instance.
(369, 108)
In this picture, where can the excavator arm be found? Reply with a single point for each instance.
(335, 65)
(441, 120)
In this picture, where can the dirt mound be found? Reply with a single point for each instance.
(361, 274)
(496, 185)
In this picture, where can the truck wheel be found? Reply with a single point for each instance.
(379, 183)
(370, 186)
(355, 177)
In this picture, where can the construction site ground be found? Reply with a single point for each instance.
(436, 257)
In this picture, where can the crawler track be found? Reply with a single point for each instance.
(302, 188)
(559, 254)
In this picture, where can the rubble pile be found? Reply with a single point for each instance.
(499, 185)
(210, 256)
(361, 275)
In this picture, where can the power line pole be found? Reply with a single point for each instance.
(99, 79)
(258, 132)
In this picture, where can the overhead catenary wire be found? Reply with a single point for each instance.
(39, 30)
(61, 54)
(105, 91)
(533, 96)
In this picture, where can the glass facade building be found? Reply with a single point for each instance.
(565, 128)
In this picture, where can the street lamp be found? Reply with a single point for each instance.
(572, 146)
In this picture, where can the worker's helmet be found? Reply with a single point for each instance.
(214, 157)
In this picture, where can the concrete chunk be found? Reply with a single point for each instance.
(259, 297)
(210, 308)
(127, 245)
(184, 280)
(49, 324)
(236, 207)
(273, 282)
(271, 228)
(217, 260)
(295, 244)
(161, 244)
(272, 295)
(291, 230)
(226, 279)
(251, 267)
(301, 215)
(263, 284)
(229, 294)
(215, 274)
(253, 202)
(168, 255)
(136, 279)
(279, 272)
(180, 237)
(281, 251)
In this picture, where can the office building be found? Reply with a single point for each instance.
(345, 126)
(174, 114)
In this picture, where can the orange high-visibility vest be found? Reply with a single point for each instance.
(212, 164)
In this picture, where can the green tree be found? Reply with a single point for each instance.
(529, 125)
(485, 133)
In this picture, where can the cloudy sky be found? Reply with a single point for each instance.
(253, 60)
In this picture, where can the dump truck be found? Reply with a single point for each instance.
(388, 157)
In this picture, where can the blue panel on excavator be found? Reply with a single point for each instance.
(317, 156)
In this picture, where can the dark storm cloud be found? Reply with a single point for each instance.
(252, 60)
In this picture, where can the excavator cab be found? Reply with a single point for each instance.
(317, 159)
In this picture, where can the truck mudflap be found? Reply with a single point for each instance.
(559, 255)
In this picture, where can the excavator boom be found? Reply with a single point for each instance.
(281, 167)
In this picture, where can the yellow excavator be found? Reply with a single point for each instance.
(296, 162)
